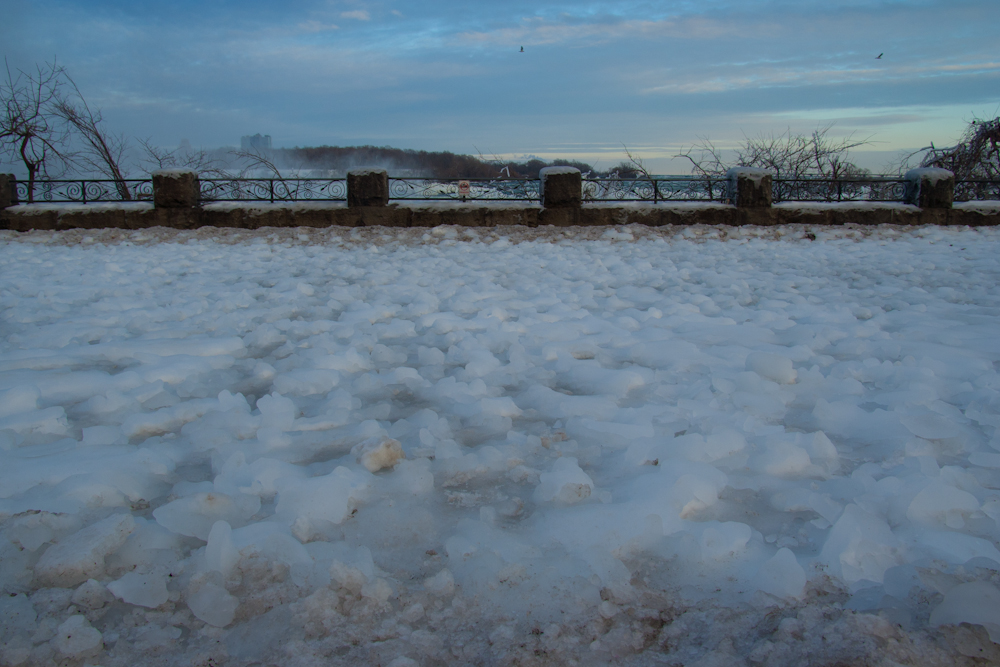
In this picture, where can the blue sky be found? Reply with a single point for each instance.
(655, 76)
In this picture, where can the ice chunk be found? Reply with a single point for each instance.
(80, 556)
(17, 616)
(195, 515)
(91, 594)
(378, 453)
(19, 399)
(782, 576)
(723, 540)
(276, 412)
(353, 570)
(781, 459)
(220, 553)
(977, 602)
(101, 435)
(566, 484)
(930, 426)
(148, 589)
(51, 421)
(441, 584)
(329, 498)
(958, 548)
(860, 546)
(942, 503)
(258, 478)
(723, 443)
(77, 638)
(771, 367)
(212, 604)
(305, 382)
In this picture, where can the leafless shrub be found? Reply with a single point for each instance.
(975, 156)
(30, 130)
(785, 155)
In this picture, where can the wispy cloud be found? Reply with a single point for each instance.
(317, 26)
(358, 14)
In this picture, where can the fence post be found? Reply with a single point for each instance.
(367, 187)
(8, 190)
(929, 188)
(176, 188)
(749, 188)
(561, 187)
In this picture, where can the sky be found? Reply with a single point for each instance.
(594, 78)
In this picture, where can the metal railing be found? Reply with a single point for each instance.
(666, 189)
(85, 191)
(273, 189)
(868, 188)
(465, 189)
(979, 189)
(662, 189)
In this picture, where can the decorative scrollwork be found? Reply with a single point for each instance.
(273, 189)
(678, 188)
(879, 189)
(514, 189)
(977, 190)
(84, 191)
(666, 189)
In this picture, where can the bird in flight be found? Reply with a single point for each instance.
(878, 57)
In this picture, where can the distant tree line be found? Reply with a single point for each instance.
(436, 164)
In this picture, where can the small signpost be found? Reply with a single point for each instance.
(464, 188)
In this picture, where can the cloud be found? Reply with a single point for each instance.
(537, 31)
(316, 26)
(359, 14)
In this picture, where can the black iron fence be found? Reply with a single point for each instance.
(273, 189)
(666, 189)
(870, 188)
(977, 190)
(655, 190)
(465, 189)
(85, 191)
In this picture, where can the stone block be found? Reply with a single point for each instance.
(749, 188)
(8, 190)
(367, 187)
(561, 187)
(929, 188)
(176, 188)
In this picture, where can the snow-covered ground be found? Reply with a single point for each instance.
(695, 446)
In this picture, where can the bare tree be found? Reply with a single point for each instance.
(200, 160)
(975, 156)
(786, 155)
(103, 152)
(30, 130)
(256, 159)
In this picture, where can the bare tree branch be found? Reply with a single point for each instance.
(30, 131)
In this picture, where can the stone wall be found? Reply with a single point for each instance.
(176, 204)
(139, 216)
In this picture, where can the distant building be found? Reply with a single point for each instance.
(255, 142)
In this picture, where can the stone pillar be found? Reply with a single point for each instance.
(749, 188)
(929, 188)
(367, 187)
(176, 188)
(561, 187)
(8, 190)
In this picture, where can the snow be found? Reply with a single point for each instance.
(932, 175)
(699, 445)
(553, 171)
(751, 173)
